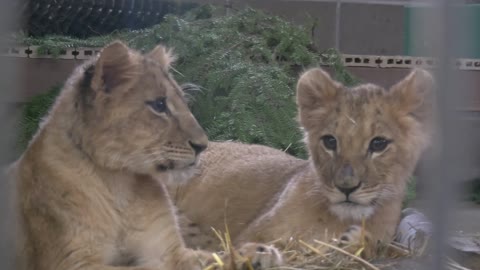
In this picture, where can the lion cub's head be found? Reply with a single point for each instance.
(133, 115)
(364, 141)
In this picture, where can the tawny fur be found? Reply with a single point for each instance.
(267, 195)
(90, 185)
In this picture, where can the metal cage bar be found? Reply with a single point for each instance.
(8, 84)
(444, 167)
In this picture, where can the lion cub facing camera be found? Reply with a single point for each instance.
(363, 143)
(90, 186)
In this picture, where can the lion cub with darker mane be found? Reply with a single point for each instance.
(363, 143)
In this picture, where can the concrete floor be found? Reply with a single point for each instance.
(464, 220)
(464, 217)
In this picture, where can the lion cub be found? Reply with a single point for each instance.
(90, 184)
(363, 144)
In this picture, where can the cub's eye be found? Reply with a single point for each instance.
(158, 105)
(329, 142)
(378, 144)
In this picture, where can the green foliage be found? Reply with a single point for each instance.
(32, 114)
(246, 64)
(475, 190)
(411, 191)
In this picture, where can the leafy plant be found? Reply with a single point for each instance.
(411, 191)
(475, 190)
(32, 114)
(246, 65)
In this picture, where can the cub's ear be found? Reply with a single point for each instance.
(414, 95)
(315, 91)
(163, 56)
(113, 68)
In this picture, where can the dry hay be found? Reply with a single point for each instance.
(319, 255)
(300, 255)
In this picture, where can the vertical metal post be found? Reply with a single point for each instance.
(443, 170)
(8, 80)
(228, 7)
(338, 14)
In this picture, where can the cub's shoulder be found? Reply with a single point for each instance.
(239, 148)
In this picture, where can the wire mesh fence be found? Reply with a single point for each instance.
(87, 18)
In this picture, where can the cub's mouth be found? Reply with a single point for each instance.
(352, 202)
(165, 167)
(348, 202)
(175, 165)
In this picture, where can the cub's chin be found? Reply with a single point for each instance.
(181, 176)
(176, 175)
(351, 211)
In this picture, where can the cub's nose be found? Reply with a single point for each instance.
(198, 148)
(346, 181)
(347, 190)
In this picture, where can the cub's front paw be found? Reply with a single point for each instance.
(351, 237)
(354, 239)
(194, 259)
(249, 256)
(260, 256)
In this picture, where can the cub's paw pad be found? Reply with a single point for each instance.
(194, 259)
(351, 237)
(355, 240)
(260, 256)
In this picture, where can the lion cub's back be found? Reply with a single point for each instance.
(239, 158)
(247, 176)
